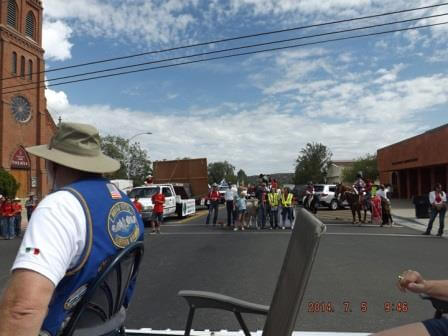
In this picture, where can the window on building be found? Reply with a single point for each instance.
(30, 25)
(22, 66)
(14, 63)
(12, 14)
(30, 69)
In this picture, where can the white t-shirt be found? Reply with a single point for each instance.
(55, 237)
(228, 196)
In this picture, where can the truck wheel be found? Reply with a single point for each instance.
(334, 205)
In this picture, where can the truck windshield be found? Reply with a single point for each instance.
(143, 192)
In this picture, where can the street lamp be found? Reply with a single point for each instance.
(129, 140)
(136, 135)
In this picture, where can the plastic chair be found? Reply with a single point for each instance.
(288, 295)
(440, 306)
(101, 311)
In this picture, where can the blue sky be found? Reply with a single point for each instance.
(256, 111)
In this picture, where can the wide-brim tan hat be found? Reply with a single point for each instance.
(76, 146)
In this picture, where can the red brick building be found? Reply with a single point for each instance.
(414, 165)
(24, 119)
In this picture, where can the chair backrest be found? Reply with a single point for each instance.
(294, 275)
(101, 306)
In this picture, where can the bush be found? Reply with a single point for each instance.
(8, 184)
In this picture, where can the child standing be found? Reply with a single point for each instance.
(241, 208)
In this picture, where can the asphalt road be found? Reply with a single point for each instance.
(355, 272)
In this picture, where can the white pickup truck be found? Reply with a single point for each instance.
(176, 201)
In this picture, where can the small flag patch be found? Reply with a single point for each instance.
(32, 250)
(113, 190)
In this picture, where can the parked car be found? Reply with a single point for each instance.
(176, 202)
(326, 193)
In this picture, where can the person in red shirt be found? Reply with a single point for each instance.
(137, 204)
(157, 212)
(17, 207)
(213, 198)
(8, 217)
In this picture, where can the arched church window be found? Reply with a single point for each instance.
(30, 69)
(22, 66)
(14, 62)
(30, 25)
(12, 14)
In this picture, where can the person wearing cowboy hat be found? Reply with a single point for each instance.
(213, 197)
(72, 232)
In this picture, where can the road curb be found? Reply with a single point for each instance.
(409, 223)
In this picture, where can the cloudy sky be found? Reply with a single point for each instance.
(255, 111)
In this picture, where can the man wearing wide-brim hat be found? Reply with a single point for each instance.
(213, 199)
(71, 233)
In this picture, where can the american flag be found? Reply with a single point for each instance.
(113, 190)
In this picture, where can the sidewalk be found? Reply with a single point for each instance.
(403, 213)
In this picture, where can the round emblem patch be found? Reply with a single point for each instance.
(122, 224)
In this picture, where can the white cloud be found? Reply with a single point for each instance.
(340, 97)
(389, 75)
(232, 136)
(57, 101)
(56, 35)
(135, 21)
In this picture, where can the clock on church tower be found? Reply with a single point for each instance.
(24, 119)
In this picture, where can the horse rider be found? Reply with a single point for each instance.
(359, 186)
(309, 193)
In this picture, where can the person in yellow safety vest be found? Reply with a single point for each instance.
(286, 200)
(273, 199)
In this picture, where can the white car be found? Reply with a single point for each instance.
(174, 204)
(327, 198)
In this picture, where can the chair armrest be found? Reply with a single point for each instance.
(201, 299)
(440, 305)
(114, 323)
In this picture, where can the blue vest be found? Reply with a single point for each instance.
(112, 224)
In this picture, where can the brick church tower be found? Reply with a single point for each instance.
(24, 119)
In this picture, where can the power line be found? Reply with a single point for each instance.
(235, 55)
(225, 50)
(236, 38)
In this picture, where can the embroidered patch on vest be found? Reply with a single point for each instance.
(113, 190)
(75, 297)
(122, 224)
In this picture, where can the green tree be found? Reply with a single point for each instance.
(8, 184)
(134, 160)
(312, 163)
(367, 165)
(241, 176)
(221, 170)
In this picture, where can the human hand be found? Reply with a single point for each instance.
(412, 281)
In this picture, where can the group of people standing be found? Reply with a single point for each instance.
(375, 198)
(262, 204)
(11, 215)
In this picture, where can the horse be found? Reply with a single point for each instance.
(251, 211)
(348, 193)
(311, 205)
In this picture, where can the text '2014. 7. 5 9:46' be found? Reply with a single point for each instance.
(350, 307)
